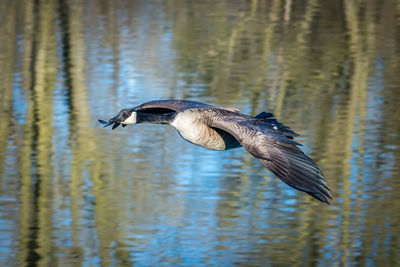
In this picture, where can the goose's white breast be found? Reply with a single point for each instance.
(191, 126)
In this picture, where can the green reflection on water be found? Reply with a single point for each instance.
(72, 193)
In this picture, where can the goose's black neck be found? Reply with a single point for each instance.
(157, 118)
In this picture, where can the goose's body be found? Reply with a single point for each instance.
(222, 128)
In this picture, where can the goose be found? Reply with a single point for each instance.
(223, 128)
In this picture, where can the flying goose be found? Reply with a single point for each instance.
(222, 128)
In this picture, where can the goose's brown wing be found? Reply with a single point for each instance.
(158, 106)
(278, 154)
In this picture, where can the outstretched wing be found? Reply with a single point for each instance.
(176, 105)
(278, 153)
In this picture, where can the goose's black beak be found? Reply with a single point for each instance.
(116, 124)
(105, 123)
(122, 115)
(116, 121)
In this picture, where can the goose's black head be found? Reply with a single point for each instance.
(124, 117)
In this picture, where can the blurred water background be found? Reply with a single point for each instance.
(75, 194)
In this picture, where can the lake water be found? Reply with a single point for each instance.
(75, 194)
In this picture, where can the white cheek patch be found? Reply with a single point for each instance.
(131, 119)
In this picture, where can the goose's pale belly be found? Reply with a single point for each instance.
(193, 129)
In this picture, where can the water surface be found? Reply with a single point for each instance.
(75, 194)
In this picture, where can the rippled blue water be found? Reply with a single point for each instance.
(73, 193)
